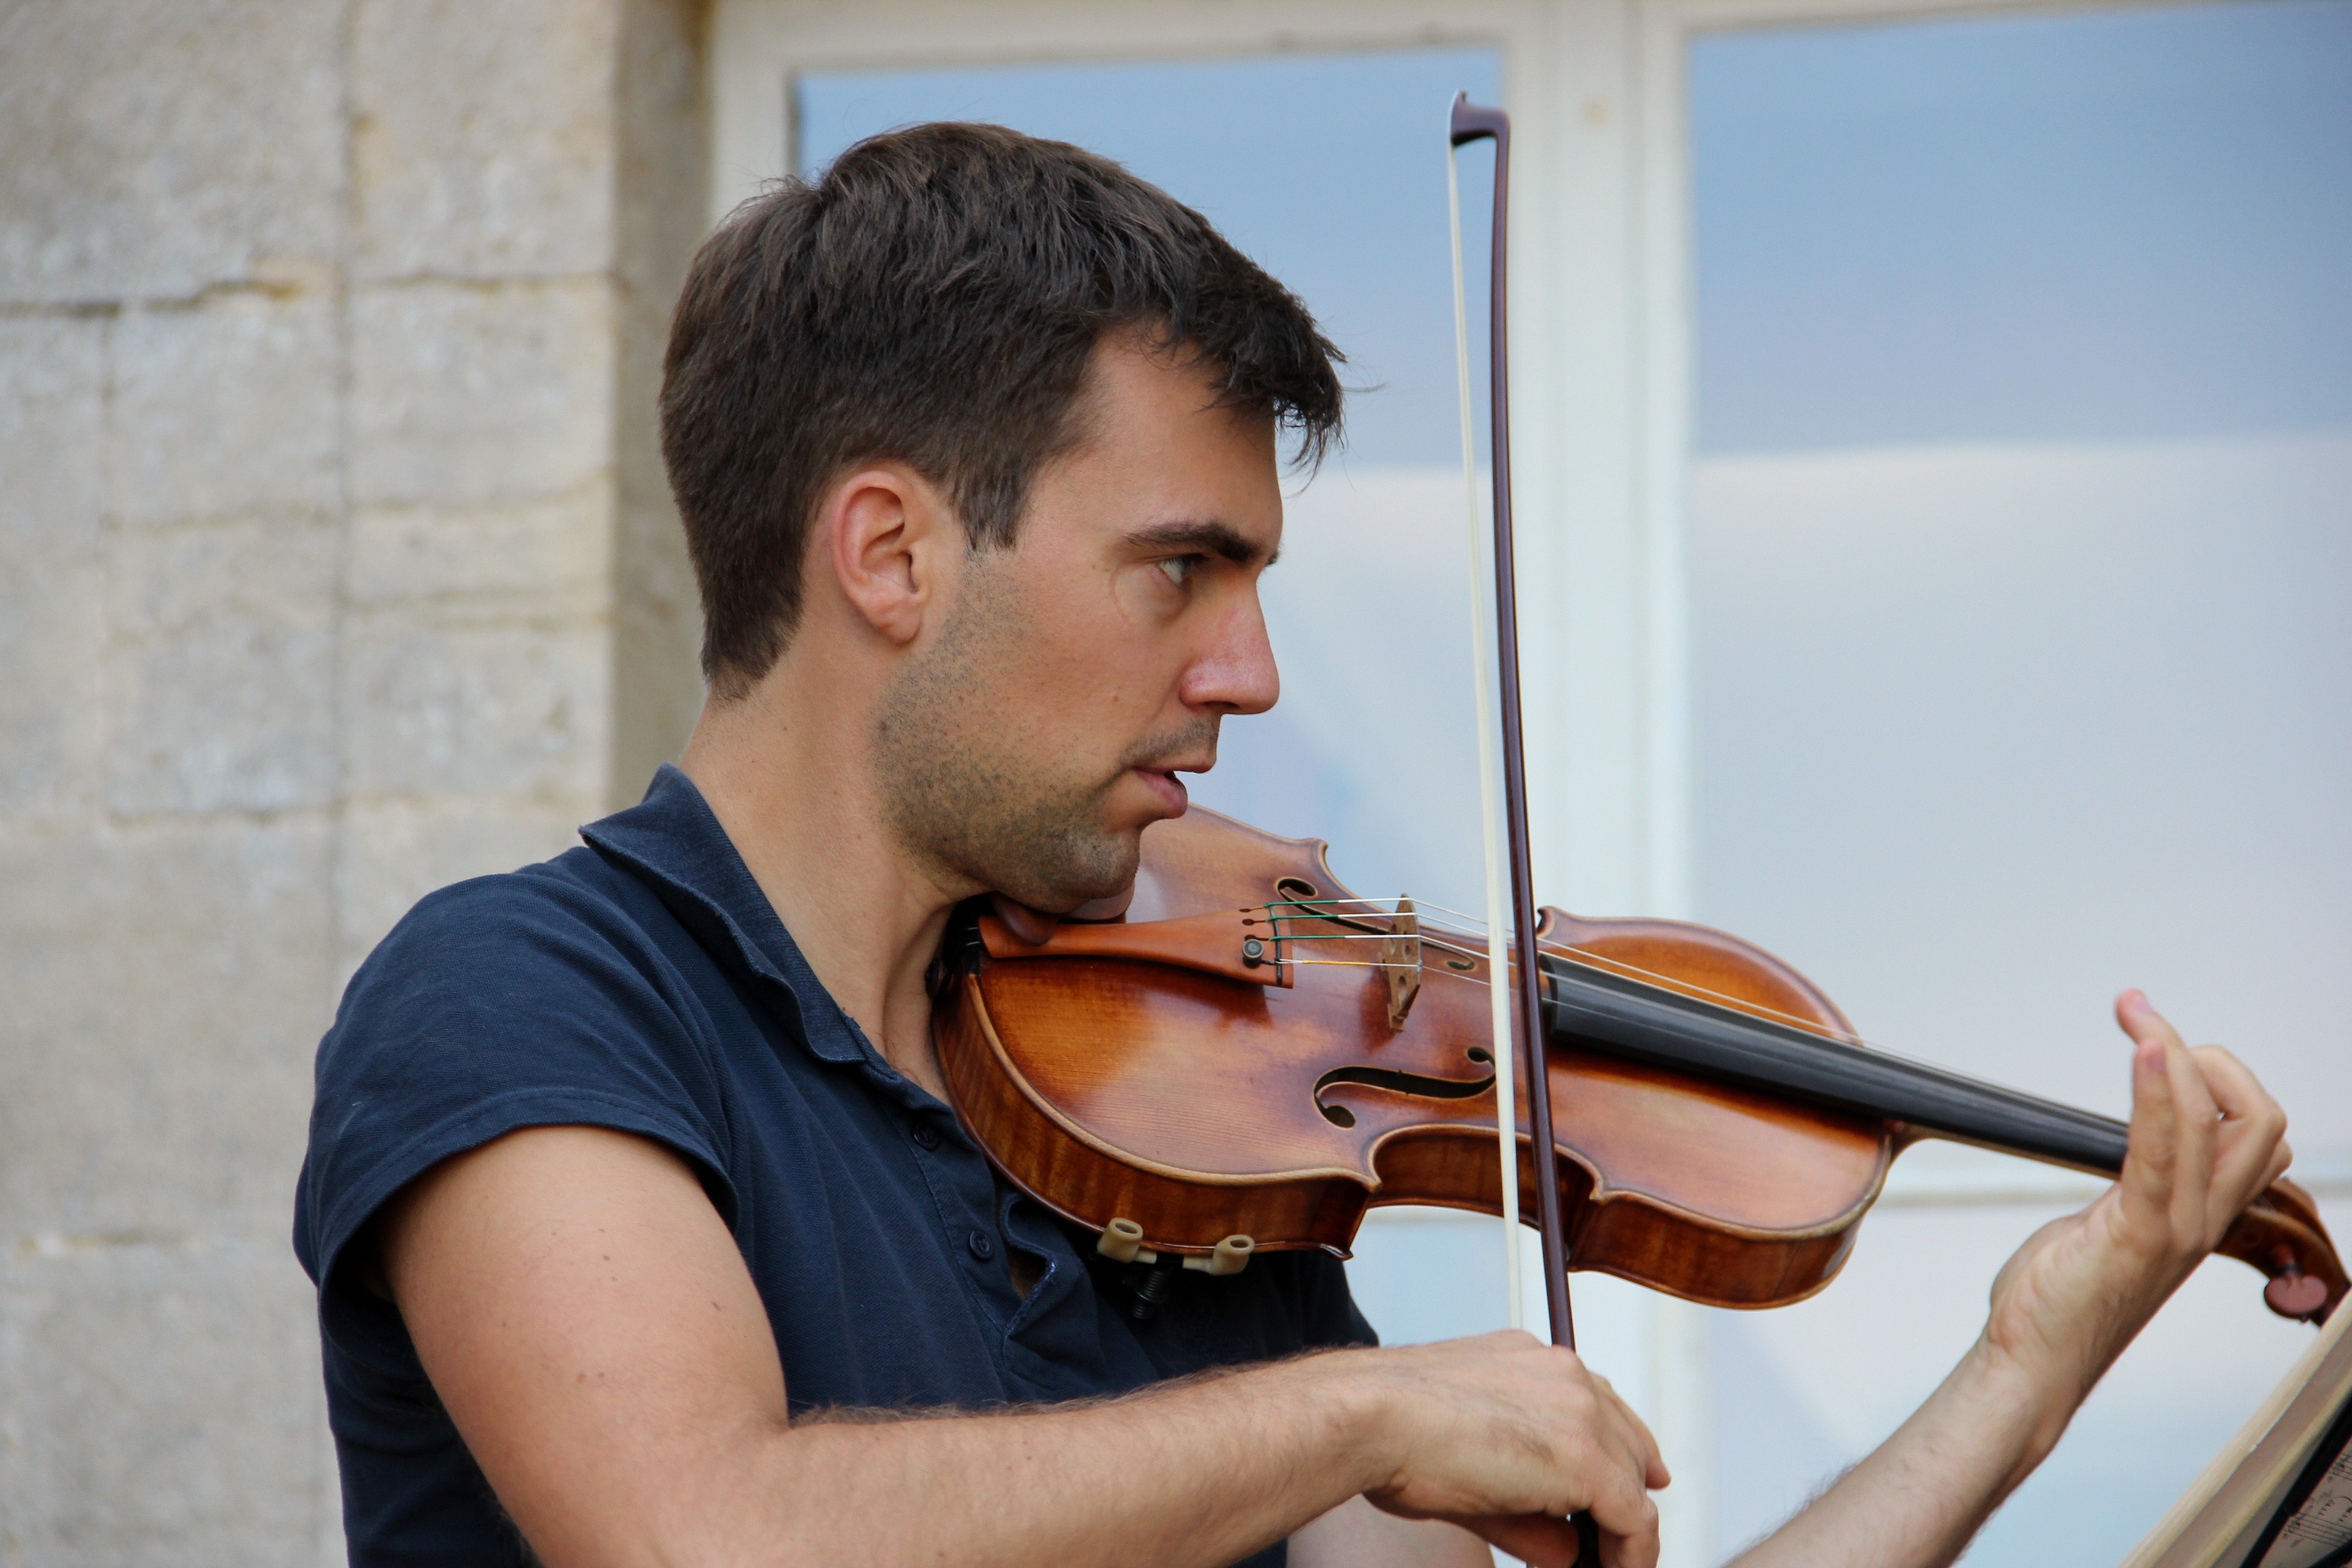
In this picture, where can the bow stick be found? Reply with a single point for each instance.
(1473, 122)
(1490, 816)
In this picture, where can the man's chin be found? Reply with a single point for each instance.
(1107, 869)
(1084, 855)
(1068, 894)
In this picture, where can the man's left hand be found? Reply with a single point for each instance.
(2205, 1139)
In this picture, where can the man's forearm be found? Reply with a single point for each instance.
(591, 1331)
(1919, 1500)
(1199, 1473)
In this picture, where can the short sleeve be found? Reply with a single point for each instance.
(507, 1001)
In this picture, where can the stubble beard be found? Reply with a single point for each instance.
(971, 796)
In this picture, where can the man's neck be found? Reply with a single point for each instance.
(792, 782)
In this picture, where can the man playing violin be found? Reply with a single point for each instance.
(644, 1229)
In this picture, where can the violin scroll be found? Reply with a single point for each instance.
(2280, 1234)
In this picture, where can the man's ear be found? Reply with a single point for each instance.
(892, 545)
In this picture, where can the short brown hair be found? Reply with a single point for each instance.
(936, 298)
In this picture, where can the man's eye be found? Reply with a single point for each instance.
(1180, 568)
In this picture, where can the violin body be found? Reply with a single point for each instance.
(1144, 1072)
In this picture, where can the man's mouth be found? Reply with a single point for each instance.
(1190, 748)
(1163, 783)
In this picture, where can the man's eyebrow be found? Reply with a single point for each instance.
(1209, 538)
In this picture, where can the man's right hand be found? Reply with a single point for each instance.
(1507, 1435)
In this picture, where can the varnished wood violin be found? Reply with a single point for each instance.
(1250, 1057)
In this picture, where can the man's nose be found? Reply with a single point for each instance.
(1236, 672)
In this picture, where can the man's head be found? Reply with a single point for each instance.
(964, 337)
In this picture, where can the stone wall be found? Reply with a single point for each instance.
(335, 564)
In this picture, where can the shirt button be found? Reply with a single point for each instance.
(926, 1135)
(981, 1248)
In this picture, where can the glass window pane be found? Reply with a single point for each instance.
(2023, 586)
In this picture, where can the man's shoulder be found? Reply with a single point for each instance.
(576, 914)
(550, 995)
(577, 895)
(546, 960)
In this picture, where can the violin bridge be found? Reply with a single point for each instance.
(1400, 961)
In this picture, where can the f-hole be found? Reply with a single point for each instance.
(1396, 1083)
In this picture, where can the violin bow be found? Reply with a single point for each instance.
(1473, 122)
(1490, 816)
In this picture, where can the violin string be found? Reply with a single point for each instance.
(1430, 934)
(1601, 960)
(1617, 965)
(1666, 981)
(1592, 959)
(1423, 937)
(1735, 1003)
(1420, 906)
(1683, 987)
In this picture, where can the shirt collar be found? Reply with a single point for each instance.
(673, 842)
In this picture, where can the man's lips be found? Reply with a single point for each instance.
(1163, 783)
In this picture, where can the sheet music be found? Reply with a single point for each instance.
(2321, 1530)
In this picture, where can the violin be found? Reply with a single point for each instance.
(1249, 1057)
(1245, 1056)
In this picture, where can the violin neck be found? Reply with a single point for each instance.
(1591, 1009)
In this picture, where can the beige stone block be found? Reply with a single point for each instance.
(163, 989)
(532, 558)
(52, 442)
(220, 679)
(657, 694)
(651, 565)
(52, 633)
(658, 622)
(52, 619)
(510, 715)
(162, 1403)
(657, 615)
(396, 852)
(155, 147)
(483, 137)
(473, 395)
(664, 133)
(227, 407)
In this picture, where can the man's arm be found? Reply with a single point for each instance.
(2205, 1139)
(589, 1324)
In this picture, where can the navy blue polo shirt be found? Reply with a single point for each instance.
(645, 982)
